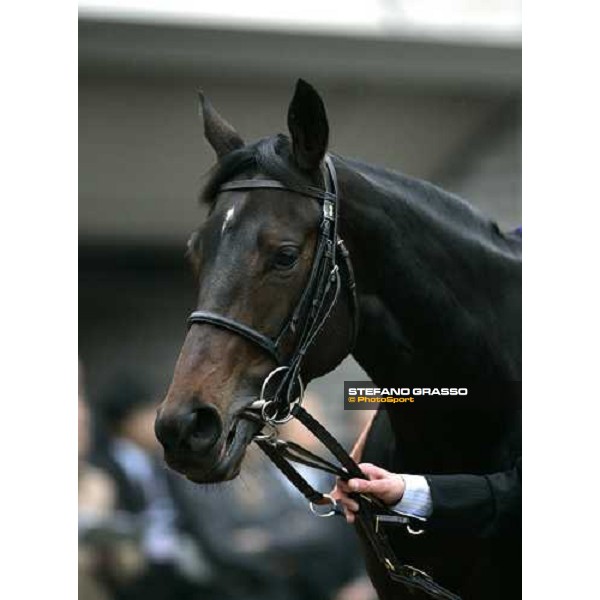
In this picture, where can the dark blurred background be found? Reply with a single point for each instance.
(431, 88)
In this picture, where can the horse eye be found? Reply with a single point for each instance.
(286, 257)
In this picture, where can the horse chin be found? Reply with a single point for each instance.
(229, 462)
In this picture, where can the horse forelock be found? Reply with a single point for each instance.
(271, 156)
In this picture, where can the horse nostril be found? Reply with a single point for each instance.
(166, 430)
(197, 430)
(203, 429)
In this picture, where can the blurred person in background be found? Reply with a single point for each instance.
(169, 563)
(95, 489)
(95, 503)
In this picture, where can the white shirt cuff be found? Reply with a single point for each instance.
(416, 500)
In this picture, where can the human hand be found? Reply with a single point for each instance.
(357, 589)
(387, 486)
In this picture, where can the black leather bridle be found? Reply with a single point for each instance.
(273, 407)
(316, 301)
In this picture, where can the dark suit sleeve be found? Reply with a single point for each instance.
(482, 505)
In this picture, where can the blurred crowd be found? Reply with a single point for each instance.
(147, 533)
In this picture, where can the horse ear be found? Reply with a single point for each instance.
(307, 122)
(219, 133)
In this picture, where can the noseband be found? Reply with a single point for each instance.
(315, 303)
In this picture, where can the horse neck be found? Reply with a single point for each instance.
(438, 284)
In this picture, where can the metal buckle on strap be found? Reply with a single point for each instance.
(334, 273)
(331, 502)
(389, 564)
(399, 518)
(267, 437)
(328, 209)
(389, 519)
(414, 531)
(414, 572)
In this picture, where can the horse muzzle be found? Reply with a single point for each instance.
(200, 447)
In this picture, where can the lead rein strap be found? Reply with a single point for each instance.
(371, 510)
(402, 573)
(352, 469)
(280, 452)
(290, 472)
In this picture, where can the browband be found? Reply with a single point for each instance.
(258, 184)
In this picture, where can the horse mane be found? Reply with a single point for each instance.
(428, 201)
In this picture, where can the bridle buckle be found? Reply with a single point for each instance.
(330, 501)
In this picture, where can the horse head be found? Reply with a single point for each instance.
(253, 258)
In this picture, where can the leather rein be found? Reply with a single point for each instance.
(282, 390)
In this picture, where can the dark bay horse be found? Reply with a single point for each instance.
(439, 297)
